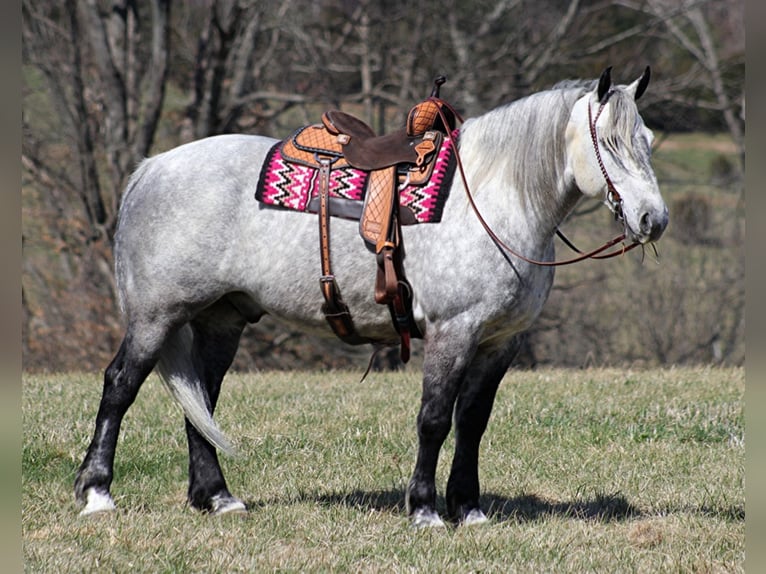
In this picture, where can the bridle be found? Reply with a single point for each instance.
(612, 196)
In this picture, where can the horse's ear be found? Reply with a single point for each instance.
(604, 83)
(643, 81)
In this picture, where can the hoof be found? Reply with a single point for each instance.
(97, 501)
(426, 518)
(227, 505)
(474, 517)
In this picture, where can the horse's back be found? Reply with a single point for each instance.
(202, 170)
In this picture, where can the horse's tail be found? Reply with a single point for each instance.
(177, 371)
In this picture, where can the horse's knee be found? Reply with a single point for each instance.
(471, 422)
(433, 424)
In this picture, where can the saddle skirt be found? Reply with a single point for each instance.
(290, 178)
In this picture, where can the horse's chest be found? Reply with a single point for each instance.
(520, 302)
(495, 300)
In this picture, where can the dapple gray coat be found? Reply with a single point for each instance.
(197, 259)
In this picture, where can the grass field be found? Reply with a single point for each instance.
(591, 470)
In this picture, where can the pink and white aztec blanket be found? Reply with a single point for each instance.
(292, 186)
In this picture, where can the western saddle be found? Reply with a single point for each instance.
(405, 156)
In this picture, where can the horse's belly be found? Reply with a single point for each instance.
(281, 270)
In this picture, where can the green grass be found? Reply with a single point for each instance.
(594, 470)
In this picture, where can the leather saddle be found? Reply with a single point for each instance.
(406, 155)
(344, 140)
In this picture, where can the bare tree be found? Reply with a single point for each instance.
(702, 84)
(96, 73)
(108, 83)
(236, 59)
(101, 68)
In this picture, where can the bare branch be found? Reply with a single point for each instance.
(91, 188)
(537, 62)
(154, 82)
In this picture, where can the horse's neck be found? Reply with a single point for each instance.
(515, 163)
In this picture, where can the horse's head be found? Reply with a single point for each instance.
(608, 153)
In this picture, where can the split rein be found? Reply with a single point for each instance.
(613, 198)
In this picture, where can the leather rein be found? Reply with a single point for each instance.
(613, 199)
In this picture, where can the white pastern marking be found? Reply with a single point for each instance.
(474, 517)
(97, 502)
(228, 506)
(427, 519)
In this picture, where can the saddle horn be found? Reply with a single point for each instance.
(438, 81)
(604, 83)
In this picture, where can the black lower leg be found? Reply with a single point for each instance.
(122, 380)
(206, 481)
(472, 412)
(463, 484)
(421, 490)
(216, 338)
(434, 423)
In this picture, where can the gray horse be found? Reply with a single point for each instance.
(197, 259)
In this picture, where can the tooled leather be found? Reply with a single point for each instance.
(422, 118)
(379, 201)
(320, 145)
(324, 223)
(311, 141)
(335, 310)
(420, 175)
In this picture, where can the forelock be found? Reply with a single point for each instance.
(620, 133)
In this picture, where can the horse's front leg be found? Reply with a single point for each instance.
(472, 411)
(445, 363)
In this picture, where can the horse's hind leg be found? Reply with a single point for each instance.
(472, 411)
(122, 379)
(216, 333)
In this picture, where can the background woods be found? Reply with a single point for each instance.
(106, 83)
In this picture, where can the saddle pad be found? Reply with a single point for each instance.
(291, 185)
(426, 202)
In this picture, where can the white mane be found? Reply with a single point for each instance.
(523, 143)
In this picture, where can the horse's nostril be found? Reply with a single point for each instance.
(653, 225)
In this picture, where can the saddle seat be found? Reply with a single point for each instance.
(365, 150)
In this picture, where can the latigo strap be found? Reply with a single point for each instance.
(335, 309)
